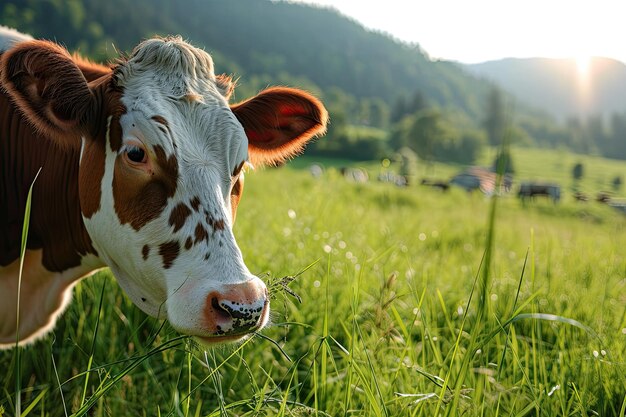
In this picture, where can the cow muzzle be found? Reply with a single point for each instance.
(235, 311)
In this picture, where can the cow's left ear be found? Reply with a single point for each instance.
(279, 121)
(49, 89)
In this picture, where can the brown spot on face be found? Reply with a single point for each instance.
(141, 196)
(169, 252)
(201, 233)
(161, 120)
(115, 133)
(215, 224)
(90, 176)
(163, 124)
(188, 243)
(92, 163)
(179, 215)
(145, 251)
(235, 196)
(195, 203)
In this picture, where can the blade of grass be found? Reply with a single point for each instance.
(33, 403)
(508, 332)
(93, 346)
(18, 352)
(54, 365)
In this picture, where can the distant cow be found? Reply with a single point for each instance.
(357, 175)
(579, 196)
(439, 184)
(483, 179)
(603, 197)
(532, 189)
(142, 171)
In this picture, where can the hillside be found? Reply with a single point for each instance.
(261, 38)
(559, 86)
(363, 76)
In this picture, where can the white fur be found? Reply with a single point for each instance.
(8, 37)
(210, 144)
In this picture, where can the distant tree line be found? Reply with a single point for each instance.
(382, 95)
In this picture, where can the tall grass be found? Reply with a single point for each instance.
(381, 308)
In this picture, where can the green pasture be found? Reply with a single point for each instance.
(530, 164)
(386, 302)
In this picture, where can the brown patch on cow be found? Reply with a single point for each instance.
(92, 166)
(215, 224)
(235, 196)
(169, 252)
(161, 120)
(201, 233)
(169, 168)
(141, 196)
(56, 223)
(179, 215)
(192, 98)
(94, 152)
(115, 133)
(188, 243)
(195, 203)
(145, 251)
(164, 126)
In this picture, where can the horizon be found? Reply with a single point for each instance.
(583, 32)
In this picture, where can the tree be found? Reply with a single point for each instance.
(578, 171)
(408, 164)
(426, 130)
(503, 163)
(495, 122)
(617, 183)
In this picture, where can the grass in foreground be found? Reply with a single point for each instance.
(392, 321)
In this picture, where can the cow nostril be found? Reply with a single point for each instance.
(219, 309)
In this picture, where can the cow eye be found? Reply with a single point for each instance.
(136, 154)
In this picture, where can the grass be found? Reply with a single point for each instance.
(392, 319)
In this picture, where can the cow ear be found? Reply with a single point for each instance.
(279, 122)
(48, 88)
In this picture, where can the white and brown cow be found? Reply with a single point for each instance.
(142, 173)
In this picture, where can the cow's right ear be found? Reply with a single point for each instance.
(49, 89)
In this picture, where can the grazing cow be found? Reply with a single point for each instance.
(439, 184)
(532, 189)
(483, 179)
(603, 197)
(580, 196)
(141, 171)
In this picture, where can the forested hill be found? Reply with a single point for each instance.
(275, 40)
(382, 94)
(560, 86)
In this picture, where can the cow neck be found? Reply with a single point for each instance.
(56, 224)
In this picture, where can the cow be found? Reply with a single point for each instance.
(483, 179)
(437, 184)
(532, 189)
(141, 170)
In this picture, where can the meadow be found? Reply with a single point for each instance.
(386, 302)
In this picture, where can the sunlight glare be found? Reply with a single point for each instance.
(582, 65)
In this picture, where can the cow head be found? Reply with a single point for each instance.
(160, 177)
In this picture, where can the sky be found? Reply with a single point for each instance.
(471, 31)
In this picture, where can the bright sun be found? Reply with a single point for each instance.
(582, 64)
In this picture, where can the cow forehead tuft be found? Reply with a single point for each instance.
(177, 68)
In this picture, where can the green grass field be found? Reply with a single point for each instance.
(404, 311)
